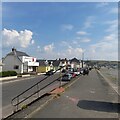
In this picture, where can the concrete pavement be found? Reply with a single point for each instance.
(12, 89)
(89, 97)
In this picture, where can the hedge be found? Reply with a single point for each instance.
(8, 73)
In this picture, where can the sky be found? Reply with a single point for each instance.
(60, 0)
(52, 30)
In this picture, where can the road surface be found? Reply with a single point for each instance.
(89, 97)
(15, 87)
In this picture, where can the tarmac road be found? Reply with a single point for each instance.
(15, 87)
(89, 97)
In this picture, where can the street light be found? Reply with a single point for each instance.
(60, 76)
(82, 58)
(46, 63)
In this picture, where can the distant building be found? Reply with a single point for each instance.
(64, 62)
(75, 63)
(44, 66)
(20, 62)
(56, 64)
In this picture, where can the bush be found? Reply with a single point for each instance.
(8, 73)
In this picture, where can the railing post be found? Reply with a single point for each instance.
(17, 103)
(13, 107)
(38, 90)
(60, 78)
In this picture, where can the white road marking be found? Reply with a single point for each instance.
(12, 81)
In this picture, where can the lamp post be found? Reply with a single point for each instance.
(82, 58)
(46, 63)
(60, 76)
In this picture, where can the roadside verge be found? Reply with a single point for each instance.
(115, 88)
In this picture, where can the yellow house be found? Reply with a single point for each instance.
(44, 66)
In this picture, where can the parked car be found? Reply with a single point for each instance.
(66, 77)
(85, 71)
(77, 72)
(51, 72)
(63, 71)
(81, 71)
(72, 74)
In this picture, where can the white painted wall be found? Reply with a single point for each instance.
(74, 65)
(0, 68)
(29, 61)
(9, 63)
(30, 69)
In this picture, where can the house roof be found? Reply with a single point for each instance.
(41, 62)
(56, 63)
(63, 60)
(74, 60)
(18, 53)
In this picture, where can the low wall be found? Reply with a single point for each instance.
(8, 78)
(13, 77)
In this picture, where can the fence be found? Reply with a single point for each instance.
(32, 93)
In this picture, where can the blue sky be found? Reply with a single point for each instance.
(52, 30)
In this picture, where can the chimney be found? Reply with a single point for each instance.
(13, 49)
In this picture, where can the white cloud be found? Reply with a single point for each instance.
(85, 40)
(103, 4)
(81, 33)
(110, 37)
(73, 52)
(107, 49)
(114, 11)
(67, 51)
(32, 42)
(79, 40)
(67, 27)
(49, 48)
(38, 47)
(89, 22)
(14, 38)
(113, 26)
(64, 43)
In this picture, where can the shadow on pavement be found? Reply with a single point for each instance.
(99, 106)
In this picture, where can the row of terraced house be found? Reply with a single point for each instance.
(23, 63)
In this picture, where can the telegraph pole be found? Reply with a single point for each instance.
(82, 58)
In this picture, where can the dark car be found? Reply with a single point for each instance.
(63, 71)
(86, 71)
(51, 72)
(66, 77)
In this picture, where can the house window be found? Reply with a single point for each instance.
(16, 67)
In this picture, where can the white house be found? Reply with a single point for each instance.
(75, 63)
(84, 64)
(1, 65)
(20, 62)
(65, 63)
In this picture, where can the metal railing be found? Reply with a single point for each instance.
(24, 99)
